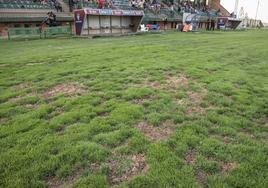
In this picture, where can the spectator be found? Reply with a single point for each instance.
(100, 4)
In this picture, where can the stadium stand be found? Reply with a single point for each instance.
(30, 14)
(25, 4)
(162, 14)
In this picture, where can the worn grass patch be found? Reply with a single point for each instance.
(176, 110)
(123, 168)
(162, 132)
(70, 90)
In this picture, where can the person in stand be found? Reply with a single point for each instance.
(212, 25)
(208, 25)
(165, 23)
(100, 3)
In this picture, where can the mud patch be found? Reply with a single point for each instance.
(136, 167)
(70, 90)
(156, 133)
(53, 182)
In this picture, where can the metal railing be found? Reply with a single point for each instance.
(37, 32)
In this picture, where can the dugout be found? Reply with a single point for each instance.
(90, 21)
(225, 23)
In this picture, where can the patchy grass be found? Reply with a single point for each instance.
(176, 110)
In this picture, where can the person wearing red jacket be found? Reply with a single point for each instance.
(100, 3)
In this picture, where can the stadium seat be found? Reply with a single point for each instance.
(23, 4)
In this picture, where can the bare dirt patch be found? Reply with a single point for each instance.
(24, 85)
(69, 89)
(227, 167)
(190, 157)
(171, 82)
(93, 167)
(194, 97)
(143, 100)
(174, 82)
(103, 114)
(56, 111)
(20, 97)
(201, 177)
(156, 133)
(3, 120)
(137, 166)
(53, 182)
(224, 138)
(247, 132)
(266, 122)
(193, 102)
(195, 110)
(30, 106)
(37, 63)
(153, 84)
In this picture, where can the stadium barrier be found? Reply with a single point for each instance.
(34, 32)
(57, 31)
(37, 32)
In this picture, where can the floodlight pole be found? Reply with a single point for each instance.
(257, 13)
(236, 7)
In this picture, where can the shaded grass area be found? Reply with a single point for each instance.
(71, 111)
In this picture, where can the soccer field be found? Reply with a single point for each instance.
(147, 111)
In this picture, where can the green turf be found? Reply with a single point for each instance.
(219, 114)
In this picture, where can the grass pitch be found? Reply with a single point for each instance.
(157, 110)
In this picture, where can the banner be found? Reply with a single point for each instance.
(110, 12)
(79, 17)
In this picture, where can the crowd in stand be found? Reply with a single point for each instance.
(188, 6)
(155, 6)
(182, 6)
(100, 3)
(52, 3)
(145, 4)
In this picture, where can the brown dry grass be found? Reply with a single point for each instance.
(228, 167)
(69, 89)
(156, 133)
(190, 157)
(138, 165)
(53, 182)
(175, 82)
(24, 85)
